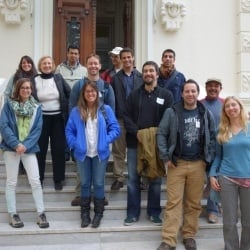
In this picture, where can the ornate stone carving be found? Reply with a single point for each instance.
(14, 10)
(245, 84)
(245, 42)
(245, 5)
(172, 13)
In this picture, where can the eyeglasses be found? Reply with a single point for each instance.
(24, 88)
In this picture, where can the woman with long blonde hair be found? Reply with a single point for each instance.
(230, 173)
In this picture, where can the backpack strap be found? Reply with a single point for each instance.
(104, 113)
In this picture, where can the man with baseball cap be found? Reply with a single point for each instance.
(214, 103)
(108, 74)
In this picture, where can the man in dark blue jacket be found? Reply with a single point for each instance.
(169, 77)
(123, 82)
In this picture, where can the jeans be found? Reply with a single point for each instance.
(232, 195)
(212, 206)
(134, 191)
(92, 170)
(12, 160)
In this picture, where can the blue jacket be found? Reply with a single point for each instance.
(173, 83)
(106, 95)
(9, 131)
(108, 131)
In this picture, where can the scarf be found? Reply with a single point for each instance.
(25, 109)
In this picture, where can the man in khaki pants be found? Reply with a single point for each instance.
(186, 142)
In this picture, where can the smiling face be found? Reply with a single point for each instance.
(232, 108)
(26, 66)
(213, 90)
(149, 75)
(90, 95)
(190, 95)
(25, 91)
(93, 66)
(127, 60)
(46, 65)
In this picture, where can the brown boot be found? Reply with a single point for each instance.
(76, 201)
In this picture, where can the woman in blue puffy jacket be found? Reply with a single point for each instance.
(90, 129)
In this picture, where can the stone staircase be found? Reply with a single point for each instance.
(65, 231)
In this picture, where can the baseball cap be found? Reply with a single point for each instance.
(116, 51)
(213, 79)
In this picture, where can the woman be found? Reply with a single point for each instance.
(89, 131)
(232, 168)
(20, 126)
(26, 69)
(53, 93)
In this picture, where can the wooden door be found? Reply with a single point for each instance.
(74, 24)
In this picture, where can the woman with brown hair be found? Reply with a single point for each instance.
(90, 129)
(20, 126)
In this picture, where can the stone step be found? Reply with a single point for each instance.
(68, 193)
(110, 230)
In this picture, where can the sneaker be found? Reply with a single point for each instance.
(42, 221)
(76, 201)
(15, 221)
(130, 221)
(212, 218)
(165, 246)
(116, 185)
(189, 244)
(58, 185)
(156, 220)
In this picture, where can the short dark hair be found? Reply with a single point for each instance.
(152, 63)
(73, 47)
(129, 50)
(191, 81)
(169, 51)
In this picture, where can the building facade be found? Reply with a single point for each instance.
(211, 38)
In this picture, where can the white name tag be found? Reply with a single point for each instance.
(100, 94)
(198, 124)
(160, 100)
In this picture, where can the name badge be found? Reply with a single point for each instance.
(198, 124)
(160, 101)
(100, 94)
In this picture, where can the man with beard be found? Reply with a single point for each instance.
(214, 103)
(144, 109)
(169, 77)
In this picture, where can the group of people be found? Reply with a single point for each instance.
(152, 118)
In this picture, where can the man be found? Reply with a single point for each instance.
(186, 142)
(126, 80)
(106, 95)
(71, 70)
(108, 74)
(169, 77)
(145, 108)
(214, 103)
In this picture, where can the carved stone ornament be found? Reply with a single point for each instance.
(245, 5)
(245, 43)
(245, 85)
(172, 14)
(14, 10)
